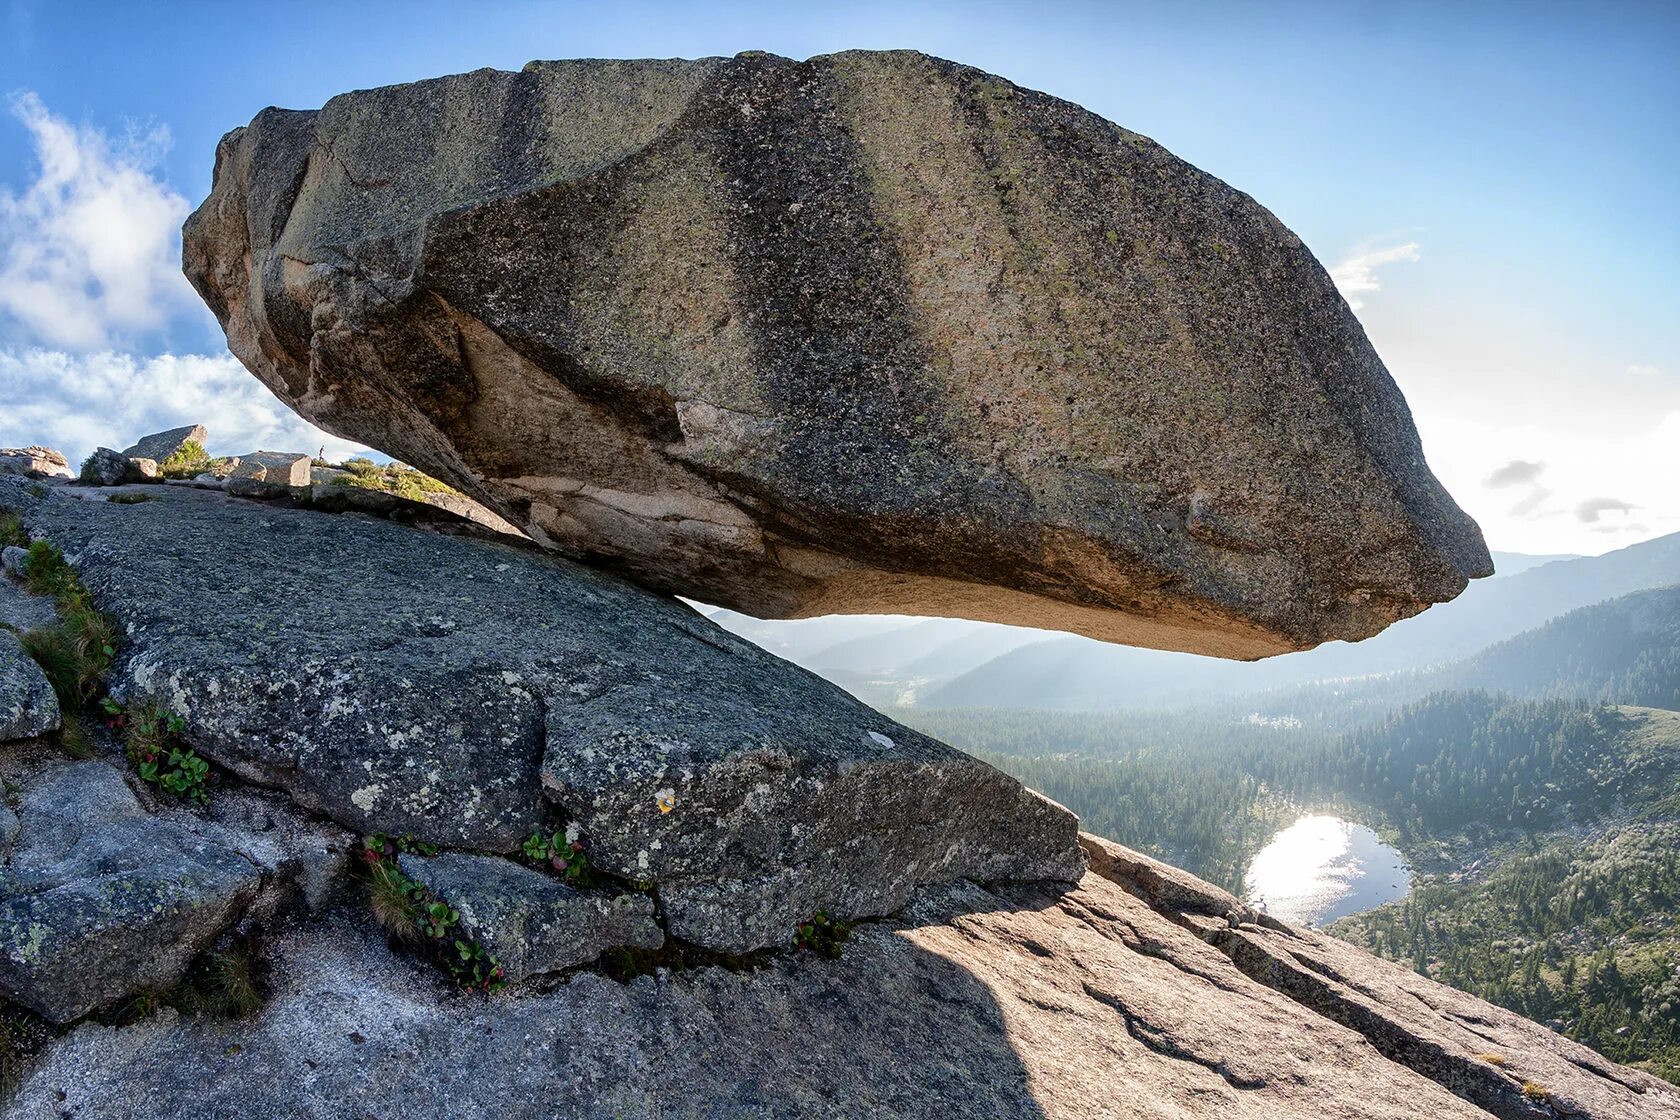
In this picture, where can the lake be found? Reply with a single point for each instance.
(1322, 868)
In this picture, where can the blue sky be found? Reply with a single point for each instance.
(1492, 184)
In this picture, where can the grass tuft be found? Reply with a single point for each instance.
(394, 902)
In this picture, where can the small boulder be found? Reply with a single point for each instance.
(143, 469)
(279, 468)
(161, 445)
(35, 461)
(101, 900)
(106, 468)
(531, 921)
(28, 706)
(14, 559)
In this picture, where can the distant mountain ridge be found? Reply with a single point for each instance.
(1077, 674)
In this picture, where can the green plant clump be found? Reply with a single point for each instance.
(76, 651)
(186, 461)
(411, 912)
(821, 934)
(405, 482)
(11, 530)
(563, 855)
(154, 740)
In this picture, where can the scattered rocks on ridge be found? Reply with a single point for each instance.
(531, 921)
(161, 445)
(467, 691)
(36, 462)
(262, 474)
(872, 332)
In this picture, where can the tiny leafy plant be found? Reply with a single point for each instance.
(410, 911)
(562, 853)
(128, 499)
(379, 847)
(154, 741)
(821, 934)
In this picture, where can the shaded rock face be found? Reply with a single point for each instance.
(469, 691)
(1019, 1003)
(870, 332)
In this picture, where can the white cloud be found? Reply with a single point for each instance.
(89, 251)
(75, 402)
(1642, 369)
(1356, 275)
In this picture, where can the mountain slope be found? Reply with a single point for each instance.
(1079, 674)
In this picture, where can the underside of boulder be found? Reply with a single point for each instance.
(872, 332)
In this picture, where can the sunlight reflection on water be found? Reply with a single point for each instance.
(1322, 868)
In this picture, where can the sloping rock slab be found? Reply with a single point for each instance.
(18, 608)
(464, 690)
(27, 704)
(1016, 1005)
(533, 922)
(1484, 1053)
(869, 332)
(100, 900)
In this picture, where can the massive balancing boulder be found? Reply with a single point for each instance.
(870, 332)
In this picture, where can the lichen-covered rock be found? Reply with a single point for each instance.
(161, 445)
(100, 900)
(869, 332)
(532, 922)
(35, 461)
(27, 705)
(469, 690)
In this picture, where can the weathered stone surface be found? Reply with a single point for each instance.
(36, 462)
(534, 922)
(467, 690)
(277, 468)
(27, 704)
(15, 560)
(108, 468)
(870, 332)
(99, 900)
(161, 445)
(1483, 1053)
(1018, 1004)
(1165, 888)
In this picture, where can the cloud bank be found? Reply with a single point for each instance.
(89, 251)
(75, 402)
